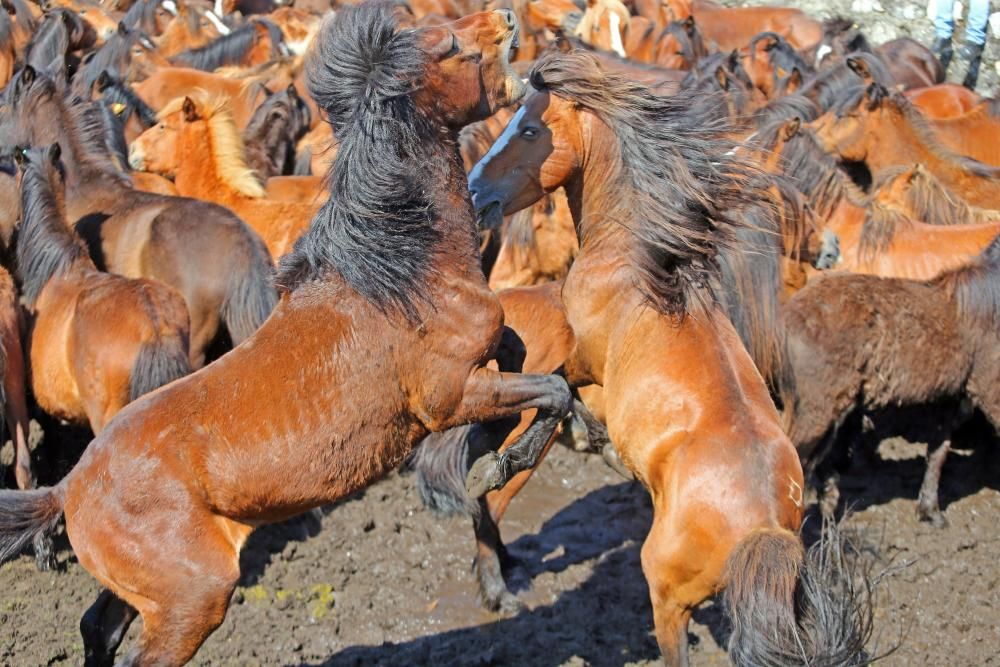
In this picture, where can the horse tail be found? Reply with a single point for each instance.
(25, 515)
(160, 361)
(789, 607)
(251, 295)
(442, 462)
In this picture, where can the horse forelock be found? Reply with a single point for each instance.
(680, 187)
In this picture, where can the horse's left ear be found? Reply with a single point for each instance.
(292, 92)
(689, 26)
(189, 109)
(794, 81)
(122, 28)
(55, 152)
(860, 67)
(722, 78)
(792, 128)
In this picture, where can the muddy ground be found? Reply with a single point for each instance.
(378, 580)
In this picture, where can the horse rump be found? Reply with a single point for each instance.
(27, 516)
(790, 607)
(159, 362)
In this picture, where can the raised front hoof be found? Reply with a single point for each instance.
(45, 553)
(484, 475)
(933, 516)
(610, 455)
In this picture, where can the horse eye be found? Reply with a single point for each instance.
(529, 133)
(454, 47)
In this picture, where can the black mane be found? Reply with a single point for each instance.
(114, 91)
(229, 49)
(115, 56)
(376, 231)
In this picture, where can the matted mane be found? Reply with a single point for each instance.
(45, 245)
(377, 228)
(931, 201)
(229, 49)
(228, 153)
(678, 185)
(879, 229)
(828, 85)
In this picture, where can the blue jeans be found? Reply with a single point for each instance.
(975, 24)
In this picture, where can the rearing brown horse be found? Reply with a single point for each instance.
(381, 335)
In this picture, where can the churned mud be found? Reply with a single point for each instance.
(377, 580)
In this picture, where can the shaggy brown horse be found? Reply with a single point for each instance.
(650, 191)
(98, 340)
(199, 147)
(849, 361)
(883, 130)
(916, 193)
(213, 259)
(163, 500)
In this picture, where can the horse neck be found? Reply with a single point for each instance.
(900, 143)
(198, 174)
(448, 191)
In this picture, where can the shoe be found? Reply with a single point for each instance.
(972, 54)
(942, 49)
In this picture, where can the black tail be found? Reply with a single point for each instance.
(159, 362)
(792, 608)
(24, 515)
(251, 296)
(442, 462)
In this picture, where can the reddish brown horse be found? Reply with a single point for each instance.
(944, 100)
(163, 500)
(650, 190)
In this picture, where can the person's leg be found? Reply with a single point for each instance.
(975, 39)
(944, 25)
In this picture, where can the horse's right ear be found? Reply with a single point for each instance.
(690, 26)
(189, 109)
(20, 155)
(292, 92)
(122, 28)
(55, 152)
(103, 80)
(27, 76)
(792, 128)
(860, 67)
(722, 78)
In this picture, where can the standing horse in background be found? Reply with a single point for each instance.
(206, 253)
(651, 193)
(273, 132)
(394, 250)
(256, 43)
(944, 100)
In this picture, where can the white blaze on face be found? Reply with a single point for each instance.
(217, 22)
(615, 22)
(219, 11)
(170, 6)
(821, 53)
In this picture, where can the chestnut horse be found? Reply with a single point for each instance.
(164, 498)
(213, 259)
(170, 83)
(850, 358)
(883, 130)
(918, 194)
(650, 191)
(944, 100)
(199, 147)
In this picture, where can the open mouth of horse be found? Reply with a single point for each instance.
(490, 216)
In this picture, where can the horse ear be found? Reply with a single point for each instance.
(27, 76)
(771, 43)
(55, 152)
(874, 94)
(103, 80)
(189, 109)
(563, 45)
(722, 78)
(20, 155)
(794, 81)
(122, 28)
(292, 92)
(792, 128)
(860, 67)
(689, 26)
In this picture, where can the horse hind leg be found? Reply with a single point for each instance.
(928, 508)
(103, 627)
(489, 563)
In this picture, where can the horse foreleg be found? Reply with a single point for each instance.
(103, 627)
(928, 508)
(488, 565)
(490, 395)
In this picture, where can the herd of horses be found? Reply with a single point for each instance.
(268, 253)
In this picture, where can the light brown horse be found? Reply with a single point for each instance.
(98, 340)
(198, 146)
(733, 27)
(916, 193)
(170, 83)
(642, 330)
(165, 497)
(190, 29)
(944, 100)
(883, 130)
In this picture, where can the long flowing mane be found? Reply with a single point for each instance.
(678, 186)
(230, 48)
(228, 153)
(931, 201)
(45, 245)
(376, 230)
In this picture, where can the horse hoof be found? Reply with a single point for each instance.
(934, 517)
(483, 475)
(45, 557)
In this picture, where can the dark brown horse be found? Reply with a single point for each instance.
(214, 260)
(851, 363)
(653, 194)
(164, 499)
(273, 132)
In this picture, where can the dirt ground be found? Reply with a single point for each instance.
(378, 580)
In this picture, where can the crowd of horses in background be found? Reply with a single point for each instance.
(269, 251)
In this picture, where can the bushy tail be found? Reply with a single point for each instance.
(160, 361)
(251, 296)
(442, 462)
(788, 607)
(25, 515)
